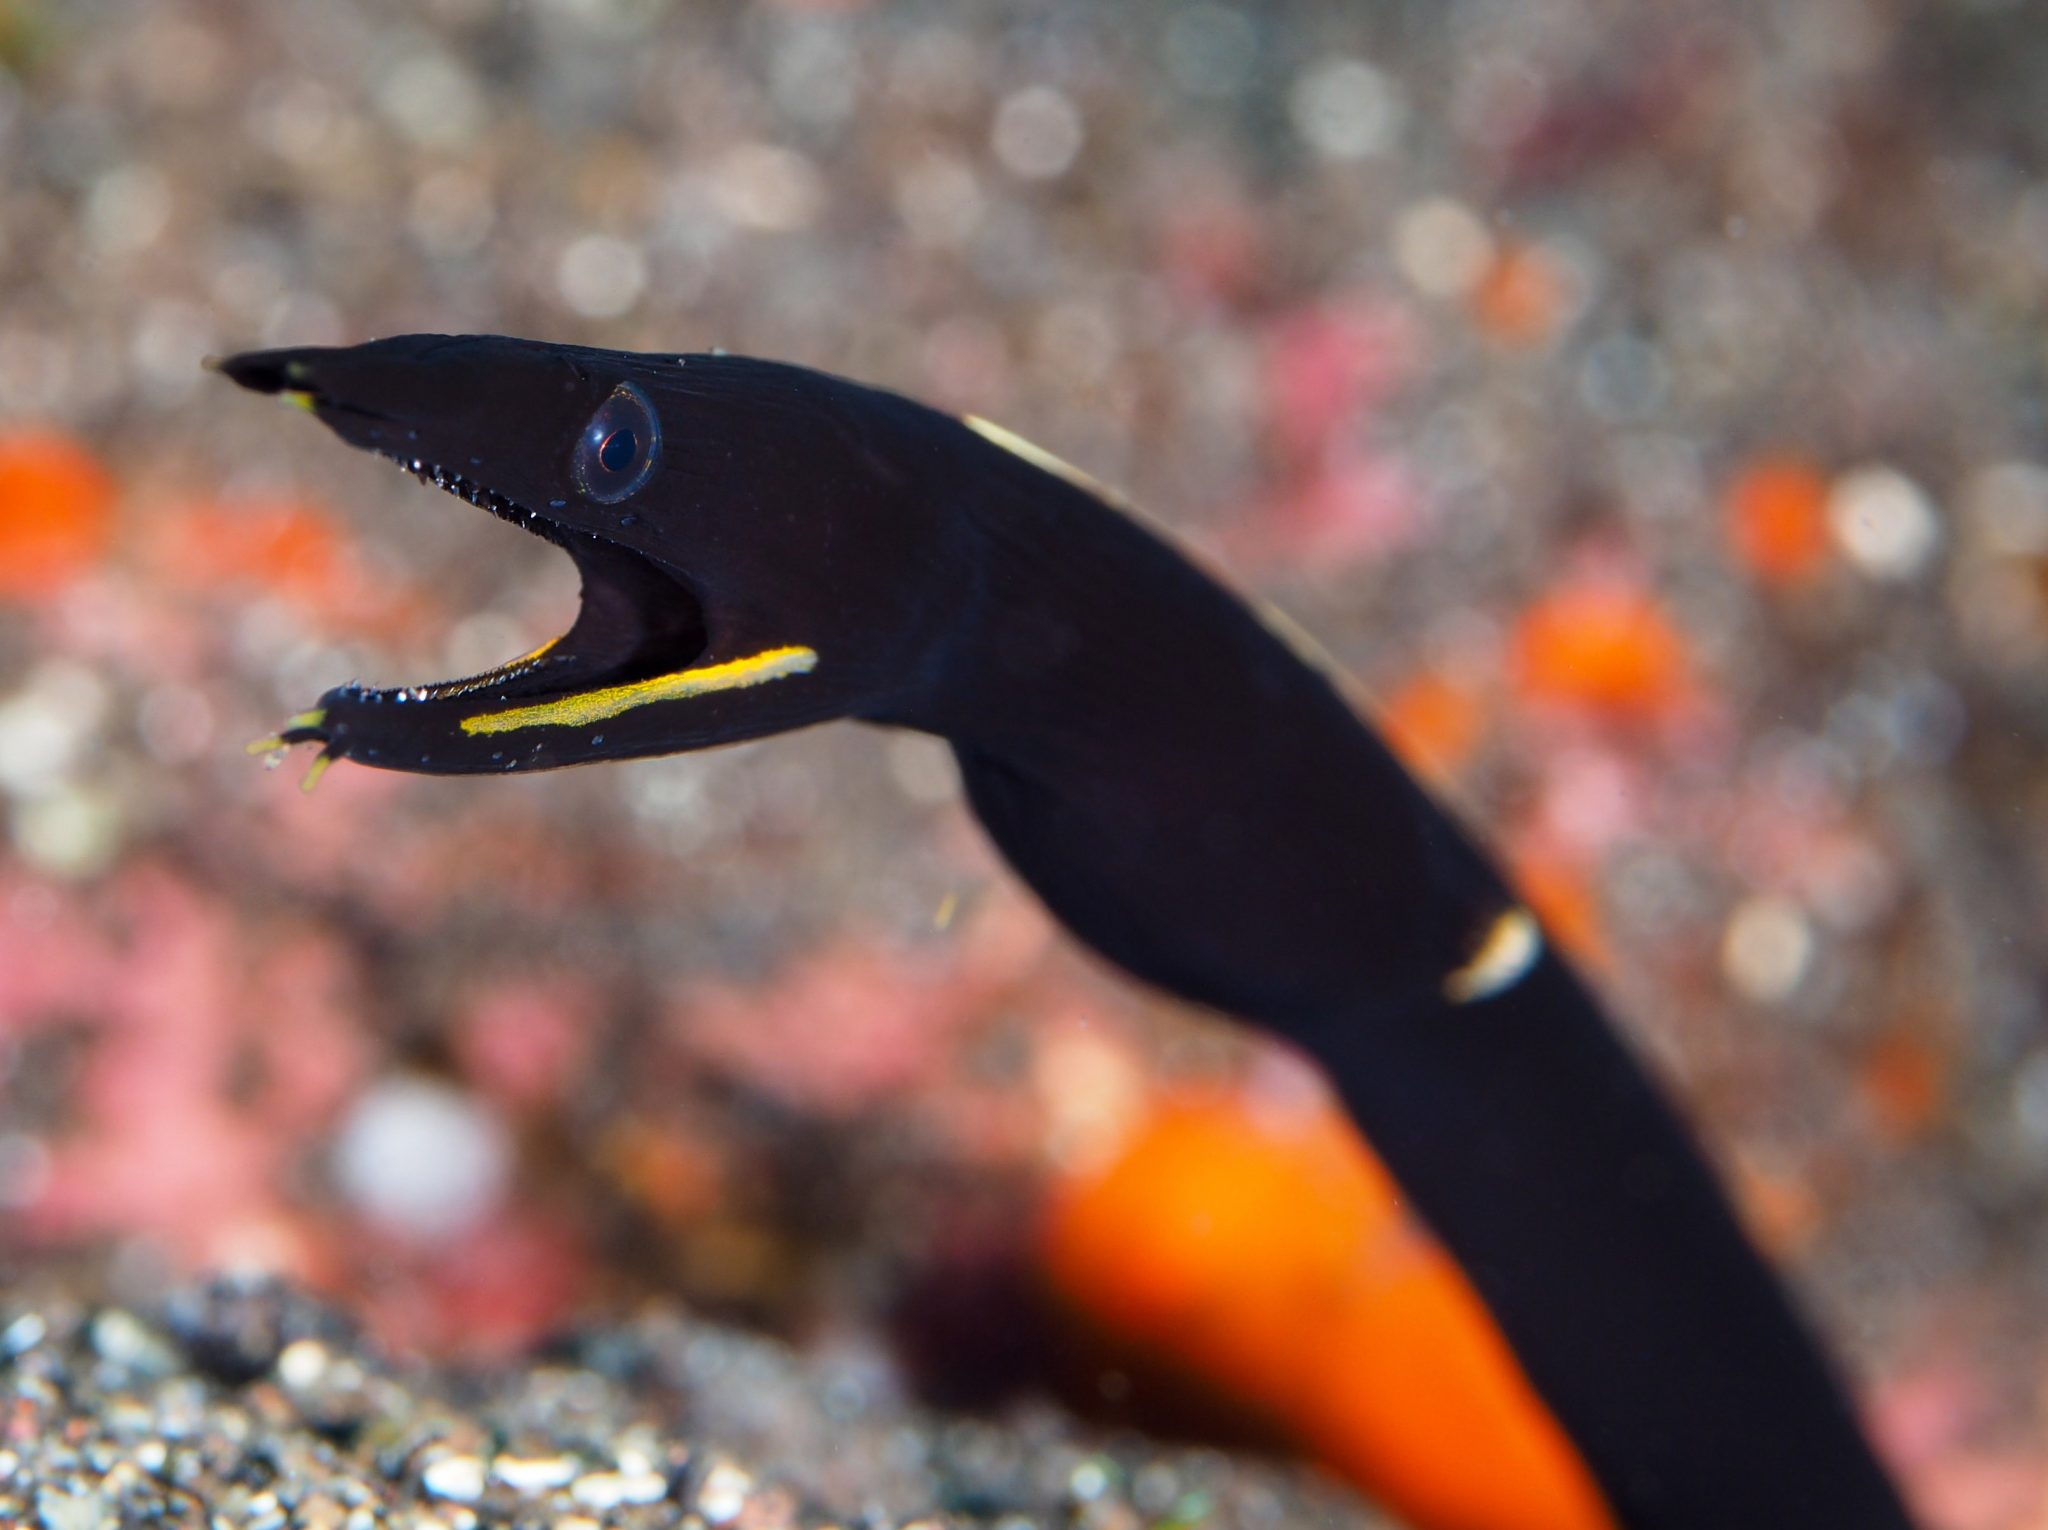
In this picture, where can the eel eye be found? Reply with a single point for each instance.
(618, 449)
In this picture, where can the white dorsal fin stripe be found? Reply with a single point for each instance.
(1507, 951)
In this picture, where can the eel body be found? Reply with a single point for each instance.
(765, 547)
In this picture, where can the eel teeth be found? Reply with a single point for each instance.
(467, 489)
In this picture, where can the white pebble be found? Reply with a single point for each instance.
(460, 1478)
(610, 1490)
(127, 208)
(74, 831)
(1884, 522)
(59, 1510)
(302, 1364)
(601, 277)
(421, 1158)
(1766, 948)
(760, 185)
(1346, 109)
(1087, 1482)
(1037, 133)
(1442, 247)
(120, 1338)
(939, 200)
(432, 99)
(35, 746)
(48, 724)
(533, 1475)
(723, 1493)
(165, 342)
(23, 1334)
(636, 1450)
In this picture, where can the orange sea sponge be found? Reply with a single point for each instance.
(1271, 1257)
(1603, 647)
(1434, 721)
(1775, 513)
(56, 512)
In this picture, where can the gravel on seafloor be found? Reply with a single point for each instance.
(245, 1405)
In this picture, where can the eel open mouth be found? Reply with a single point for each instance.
(636, 621)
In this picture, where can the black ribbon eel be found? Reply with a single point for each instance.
(764, 547)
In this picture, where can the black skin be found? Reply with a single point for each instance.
(1194, 799)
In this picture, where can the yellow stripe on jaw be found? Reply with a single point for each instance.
(612, 700)
(1507, 951)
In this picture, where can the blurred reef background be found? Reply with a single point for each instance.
(1645, 404)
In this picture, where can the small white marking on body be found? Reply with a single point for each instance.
(1508, 950)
